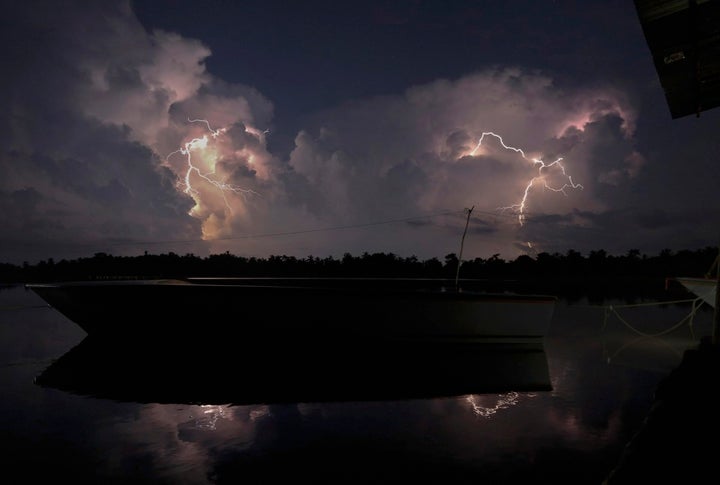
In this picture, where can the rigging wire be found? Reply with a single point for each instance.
(328, 228)
(497, 220)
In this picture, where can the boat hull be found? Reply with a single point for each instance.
(321, 311)
(704, 288)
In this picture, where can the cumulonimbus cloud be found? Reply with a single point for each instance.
(99, 147)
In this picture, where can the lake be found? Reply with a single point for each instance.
(198, 423)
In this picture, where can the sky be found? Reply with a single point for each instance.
(324, 128)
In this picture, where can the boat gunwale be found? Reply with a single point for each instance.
(400, 291)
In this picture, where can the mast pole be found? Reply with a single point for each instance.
(462, 243)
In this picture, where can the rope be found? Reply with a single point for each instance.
(610, 357)
(696, 304)
(654, 303)
(611, 309)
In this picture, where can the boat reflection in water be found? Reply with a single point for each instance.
(199, 373)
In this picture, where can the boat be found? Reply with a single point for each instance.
(267, 310)
(704, 288)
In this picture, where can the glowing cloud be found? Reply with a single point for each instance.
(439, 147)
(207, 171)
(209, 156)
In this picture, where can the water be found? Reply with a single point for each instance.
(602, 374)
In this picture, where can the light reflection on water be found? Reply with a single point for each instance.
(603, 376)
(487, 405)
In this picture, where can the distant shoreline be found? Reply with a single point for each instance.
(597, 275)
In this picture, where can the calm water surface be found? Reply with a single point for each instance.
(602, 373)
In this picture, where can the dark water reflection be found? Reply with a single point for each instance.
(289, 372)
(94, 421)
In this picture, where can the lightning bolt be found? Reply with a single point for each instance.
(541, 176)
(201, 145)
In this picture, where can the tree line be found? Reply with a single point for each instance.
(546, 271)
